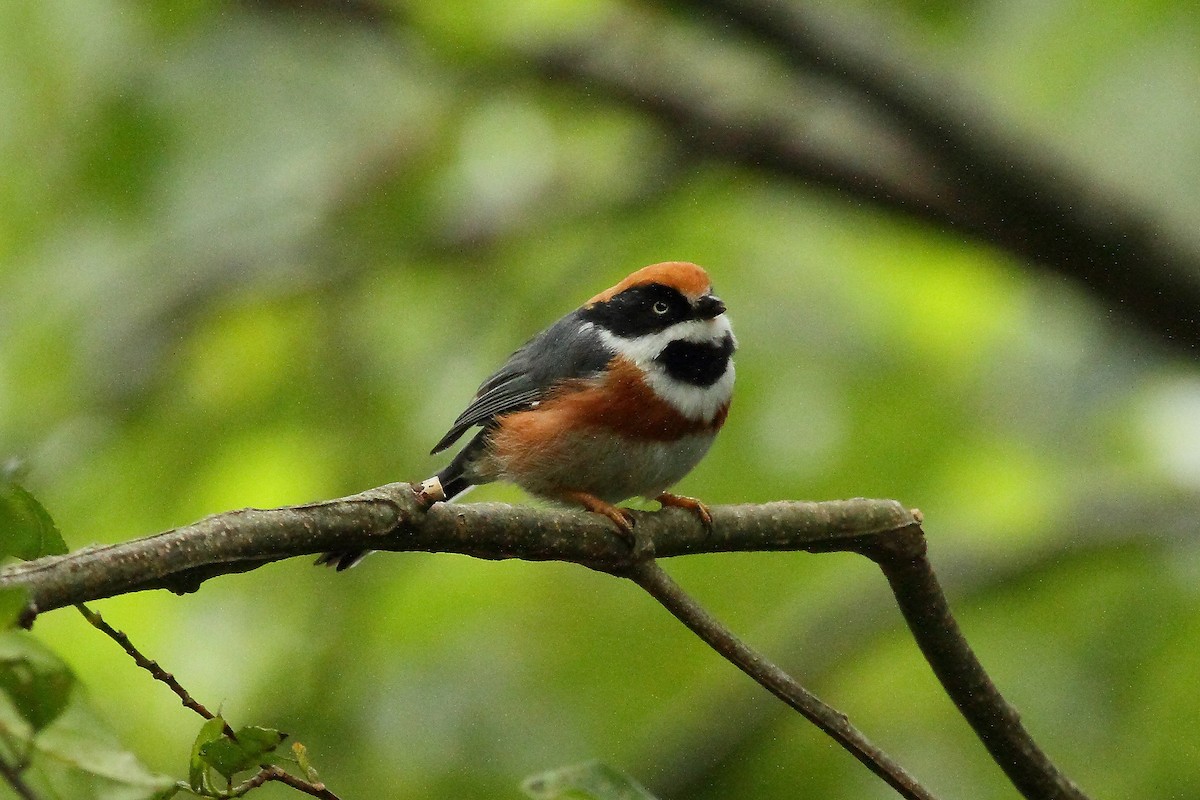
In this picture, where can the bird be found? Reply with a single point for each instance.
(619, 398)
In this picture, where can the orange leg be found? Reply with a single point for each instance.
(641, 546)
(690, 503)
(620, 516)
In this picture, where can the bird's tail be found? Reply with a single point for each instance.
(453, 482)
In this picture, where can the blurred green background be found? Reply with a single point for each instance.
(252, 255)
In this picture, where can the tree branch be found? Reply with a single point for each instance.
(997, 724)
(816, 640)
(650, 576)
(391, 518)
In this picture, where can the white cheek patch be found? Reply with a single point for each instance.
(695, 402)
(642, 350)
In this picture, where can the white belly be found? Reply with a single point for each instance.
(610, 468)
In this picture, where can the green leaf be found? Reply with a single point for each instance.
(590, 781)
(13, 600)
(34, 679)
(26, 529)
(229, 757)
(211, 731)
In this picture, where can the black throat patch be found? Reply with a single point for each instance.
(697, 363)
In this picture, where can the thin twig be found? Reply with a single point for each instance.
(156, 671)
(651, 577)
(314, 789)
(270, 772)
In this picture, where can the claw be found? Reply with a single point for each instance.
(697, 507)
(641, 546)
(620, 517)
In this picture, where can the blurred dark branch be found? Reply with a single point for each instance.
(392, 518)
(363, 12)
(813, 46)
(1005, 194)
(701, 130)
(12, 775)
(959, 174)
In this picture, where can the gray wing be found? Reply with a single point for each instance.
(567, 349)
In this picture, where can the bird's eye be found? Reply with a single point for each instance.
(661, 308)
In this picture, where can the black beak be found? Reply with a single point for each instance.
(709, 307)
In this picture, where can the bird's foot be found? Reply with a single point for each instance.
(697, 507)
(641, 546)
